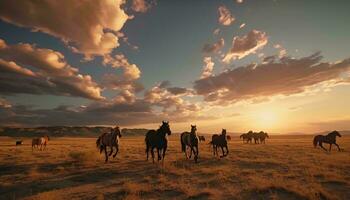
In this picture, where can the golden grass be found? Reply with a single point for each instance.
(287, 167)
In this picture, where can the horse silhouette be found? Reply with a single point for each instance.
(190, 139)
(330, 139)
(201, 138)
(157, 139)
(109, 140)
(219, 141)
(262, 137)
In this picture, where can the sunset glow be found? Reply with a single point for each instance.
(217, 64)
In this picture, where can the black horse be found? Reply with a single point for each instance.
(219, 141)
(191, 140)
(329, 139)
(157, 139)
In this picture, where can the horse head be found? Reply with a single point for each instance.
(165, 128)
(266, 134)
(336, 133)
(193, 128)
(223, 132)
(117, 131)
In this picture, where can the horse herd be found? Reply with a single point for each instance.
(157, 139)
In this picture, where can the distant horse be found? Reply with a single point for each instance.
(190, 139)
(219, 141)
(329, 139)
(201, 138)
(19, 142)
(250, 136)
(256, 137)
(244, 137)
(42, 141)
(157, 139)
(262, 136)
(111, 140)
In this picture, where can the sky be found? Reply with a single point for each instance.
(274, 65)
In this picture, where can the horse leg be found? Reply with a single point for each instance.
(191, 149)
(164, 150)
(196, 154)
(186, 153)
(330, 147)
(147, 150)
(226, 150)
(223, 154)
(116, 151)
(337, 146)
(152, 152)
(322, 146)
(214, 149)
(110, 153)
(106, 155)
(159, 154)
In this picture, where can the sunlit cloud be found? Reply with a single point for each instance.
(245, 45)
(28, 69)
(87, 27)
(286, 76)
(225, 16)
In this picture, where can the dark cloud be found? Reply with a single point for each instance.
(214, 48)
(285, 77)
(27, 69)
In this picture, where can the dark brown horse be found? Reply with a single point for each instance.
(330, 139)
(191, 140)
(262, 137)
(111, 140)
(219, 141)
(157, 139)
(201, 138)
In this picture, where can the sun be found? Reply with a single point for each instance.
(266, 119)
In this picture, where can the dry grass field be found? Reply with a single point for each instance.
(287, 167)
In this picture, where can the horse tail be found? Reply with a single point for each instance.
(98, 142)
(183, 145)
(315, 141)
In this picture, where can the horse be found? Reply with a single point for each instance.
(19, 142)
(256, 137)
(111, 140)
(228, 138)
(219, 141)
(330, 139)
(262, 136)
(250, 136)
(190, 139)
(42, 141)
(157, 139)
(201, 138)
(244, 137)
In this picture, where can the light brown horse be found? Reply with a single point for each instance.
(42, 141)
(110, 139)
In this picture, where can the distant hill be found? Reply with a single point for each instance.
(65, 131)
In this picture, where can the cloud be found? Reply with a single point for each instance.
(242, 25)
(216, 31)
(214, 48)
(28, 69)
(88, 27)
(330, 125)
(208, 67)
(286, 77)
(245, 45)
(225, 16)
